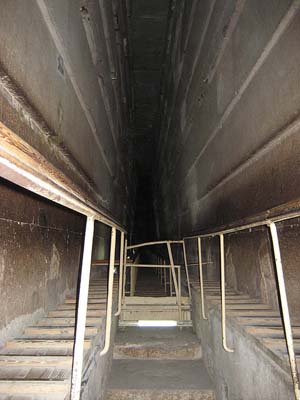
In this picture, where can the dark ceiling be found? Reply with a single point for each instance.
(148, 23)
(147, 36)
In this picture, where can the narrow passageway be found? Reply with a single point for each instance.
(149, 176)
(150, 283)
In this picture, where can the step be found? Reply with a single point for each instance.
(32, 361)
(71, 313)
(162, 394)
(36, 331)
(159, 379)
(36, 390)
(67, 321)
(95, 306)
(157, 343)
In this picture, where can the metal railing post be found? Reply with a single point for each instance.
(125, 266)
(223, 293)
(110, 292)
(121, 267)
(82, 309)
(186, 268)
(171, 284)
(201, 279)
(174, 278)
(285, 309)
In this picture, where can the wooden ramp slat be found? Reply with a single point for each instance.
(32, 361)
(71, 313)
(43, 343)
(62, 331)
(33, 387)
(38, 365)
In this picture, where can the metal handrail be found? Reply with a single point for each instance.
(23, 165)
(168, 243)
(110, 293)
(271, 223)
(171, 265)
(121, 272)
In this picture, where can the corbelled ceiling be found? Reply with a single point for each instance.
(147, 36)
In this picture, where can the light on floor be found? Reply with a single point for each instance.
(150, 323)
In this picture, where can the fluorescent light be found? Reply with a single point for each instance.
(161, 323)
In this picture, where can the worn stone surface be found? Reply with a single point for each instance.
(133, 394)
(157, 343)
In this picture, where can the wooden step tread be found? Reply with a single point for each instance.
(67, 321)
(34, 387)
(71, 313)
(37, 373)
(52, 330)
(33, 361)
(44, 343)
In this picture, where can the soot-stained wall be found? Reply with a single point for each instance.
(229, 140)
(63, 88)
(41, 246)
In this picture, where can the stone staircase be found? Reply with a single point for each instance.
(158, 364)
(38, 364)
(137, 308)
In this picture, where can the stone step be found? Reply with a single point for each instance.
(147, 394)
(157, 343)
(159, 379)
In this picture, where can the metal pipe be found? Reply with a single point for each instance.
(165, 279)
(170, 279)
(121, 274)
(125, 266)
(158, 266)
(82, 309)
(285, 309)
(135, 246)
(263, 222)
(222, 257)
(174, 277)
(110, 292)
(186, 268)
(201, 279)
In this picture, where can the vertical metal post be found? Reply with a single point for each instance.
(110, 292)
(165, 278)
(82, 309)
(179, 286)
(171, 285)
(121, 265)
(222, 256)
(285, 309)
(125, 266)
(174, 278)
(201, 279)
(186, 268)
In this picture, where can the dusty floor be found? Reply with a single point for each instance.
(159, 374)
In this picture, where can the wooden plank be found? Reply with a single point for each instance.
(33, 387)
(36, 330)
(251, 306)
(91, 301)
(48, 344)
(17, 372)
(33, 361)
(57, 321)
(250, 313)
(74, 307)
(71, 313)
(277, 332)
